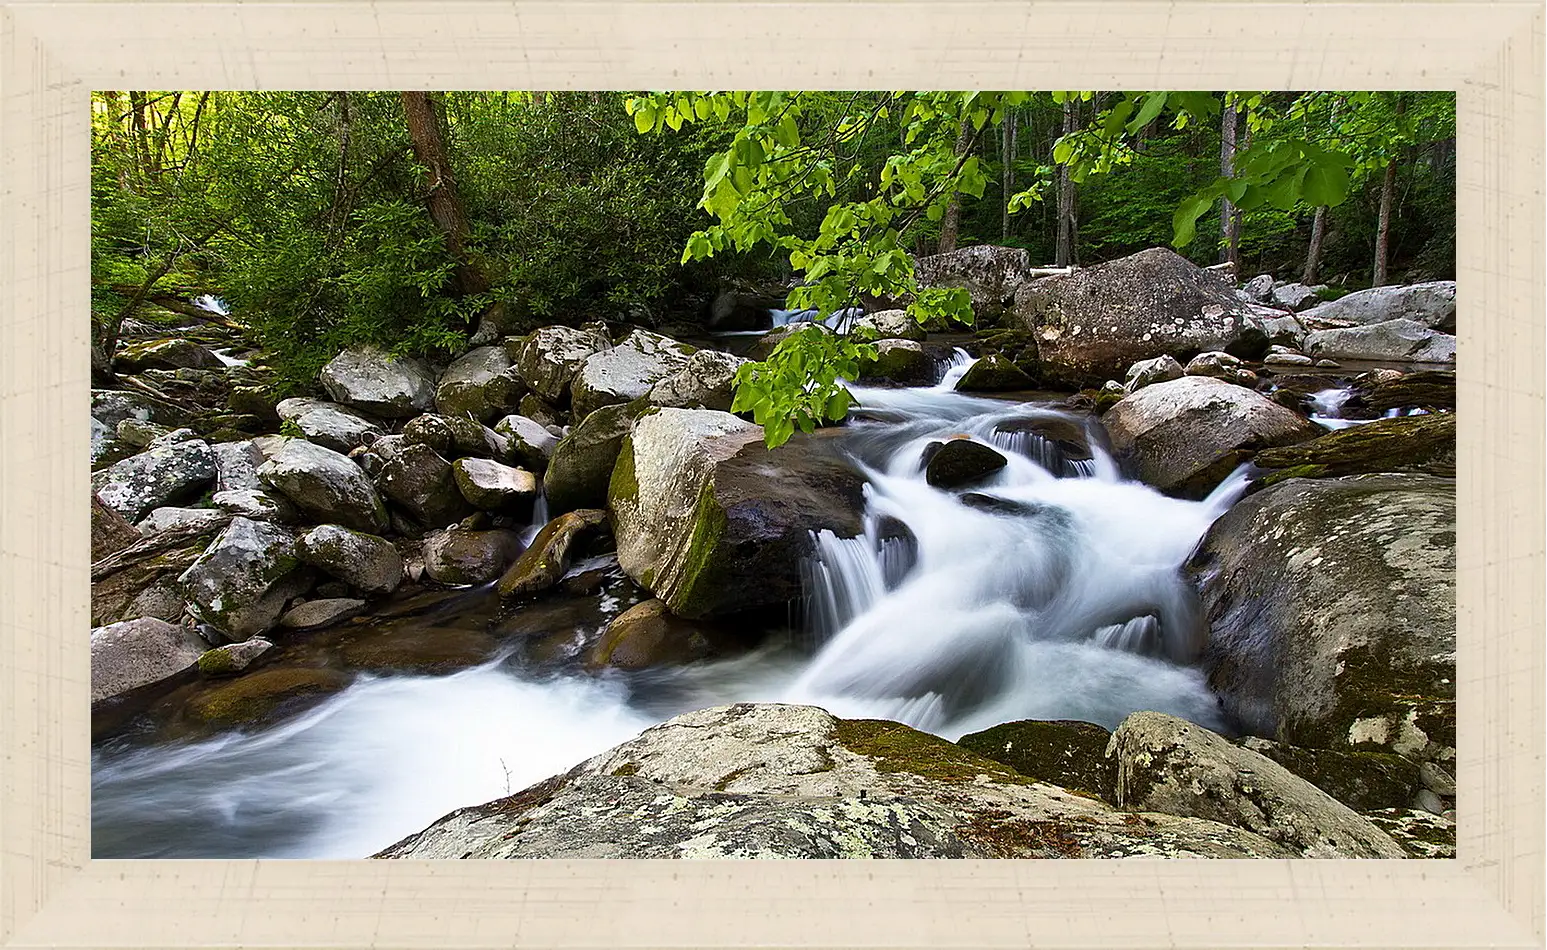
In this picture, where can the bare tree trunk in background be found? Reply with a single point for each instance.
(1007, 159)
(1313, 253)
(1064, 249)
(950, 224)
(1388, 190)
(444, 204)
(141, 140)
(1229, 217)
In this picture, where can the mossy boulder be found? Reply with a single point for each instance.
(993, 374)
(1427, 389)
(626, 372)
(1066, 753)
(325, 485)
(233, 658)
(582, 462)
(544, 562)
(261, 697)
(489, 486)
(1364, 781)
(365, 377)
(423, 484)
(469, 557)
(241, 583)
(365, 562)
(647, 635)
(1420, 833)
(480, 384)
(410, 649)
(903, 362)
(1425, 444)
(156, 478)
(548, 358)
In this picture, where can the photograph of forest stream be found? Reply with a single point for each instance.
(777, 474)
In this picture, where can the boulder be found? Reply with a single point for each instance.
(1364, 781)
(1066, 753)
(958, 463)
(236, 466)
(1260, 331)
(481, 384)
(529, 443)
(625, 372)
(1425, 443)
(490, 486)
(469, 557)
(139, 434)
(255, 504)
(888, 325)
(1332, 612)
(392, 387)
(1161, 369)
(544, 562)
(1184, 436)
(991, 275)
(260, 697)
(233, 658)
(647, 635)
(1287, 359)
(363, 561)
(994, 374)
(142, 483)
(454, 436)
(1295, 297)
(550, 357)
(1172, 766)
(240, 584)
(1259, 288)
(713, 522)
(1432, 304)
(897, 361)
(165, 354)
(126, 656)
(542, 412)
(328, 424)
(1095, 322)
(109, 531)
(424, 484)
(770, 781)
(164, 518)
(316, 614)
(582, 461)
(1426, 389)
(112, 406)
(705, 381)
(255, 401)
(1393, 340)
(325, 485)
(1217, 364)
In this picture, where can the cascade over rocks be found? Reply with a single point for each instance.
(1432, 304)
(367, 378)
(325, 485)
(626, 372)
(241, 583)
(550, 357)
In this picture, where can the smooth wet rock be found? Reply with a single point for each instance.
(233, 658)
(325, 485)
(1395, 340)
(165, 354)
(367, 378)
(1332, 612)
(647, 635)
(581, 465)
(705, 381)
(626, 372)
(156, 478)
(363, 561)
(109, 531)
(994, 374)
(1426, 389)
(1184, 436)
(1424, 444)
(126, 656)
(1287, 359)
(530, 444)
(424, 485)
(316, 614)
(469, 557)
(1172, 766)
(957, 463)
(888, 325)
(550, 357)
(1148, 372)
(1066, 753)
(255, 698)
(1433, 304)
(490, 486)
(480, 384)
(1363, 781)
(544, 562)
(240, 584)
(903, 362)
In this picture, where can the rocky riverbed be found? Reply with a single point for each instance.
(1150, 564)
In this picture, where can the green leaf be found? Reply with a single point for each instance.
(1184, 222)
(644, 119)
(1153, 103)
(1326, 183)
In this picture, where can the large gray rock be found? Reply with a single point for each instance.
(1332, 612)
(766, 781)
(625, 372)
(1295, 297)
(1169, 765)
(455, 436)
(1092, 324)
(240, 585)
(705, 381)
(469, 557)
(481, 384)
(529, 443)
(126, 656)
(328, 424)
(142, 483)
(582, 462)
(236, 466)
(1259, 289)
(423, 484)
(363, 561)
(324, 484)
(1184, 436)
(112, 406)
(550, 357)
(1394, 340)
(393, 387)
(991, 275)
(1432, 304)
(490, 486)
(712, 522)
(889, 325)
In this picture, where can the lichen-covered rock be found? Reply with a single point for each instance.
(1433, 304)
(898, 361)
(713, 522)
(255, 504)
(625, 372)
(957, 463)
(766, 781)
(260, 697)
(469, 557)
(325, 612)
(648, 635)
(325, 485)
(490, 486)
(1176, 767)
(139, 434)
(1404, 444)
(529, 443)
(1332, 612)
(240, 584)
(233, 658)
(1066, 753)
(1184, 436)
(889, 325)
(363, 561)
(991, 275)
(705, 381)
(481, 384)
(544, 562)
(164, 518)
(165, 354)
(393, 387)
(112, 406)
(109, 531)
(1218, 364)
(126, 656)
(1364, 781)
(329, 424)
(582, 462)
(163, 476)
(236, 466)
(1161, 369)
(1259, 288)
(550, 357)
(1398, 340)
(1420, 833)
(994, 374)
(424, 485)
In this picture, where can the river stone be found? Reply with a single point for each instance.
(713, 522)
(140, 434)
(1363, 781)
(1066, 753)
(163, 518)
(1095, 322)
(1395, 340)
(325, 485)
(424, 485)
(1170, 765)
(258, 697)
(1426, 389)
(889, 325)
(647, 635)
(582, 462)
(112, 406)
(363, 561)
(543, 563)
(902, 362)
(530, 444)
(240, 584)
(1432, 304)
(1218, 364)
(481, 384)
(236, 466)
(316, 614)
(1332, 612)
(1161, 369)
(392, 387)
(1295, 297)
(126, 656)
(469, 557)
(551, 355)
(993, 374)
(1259, 288)
(1424, 443)
(142, 483)
(1287, 359)
(255, 504)
(109, 531)
(705, 381)
(328, 424)
(770, 781)
(165, 354)
(233, 658)
(490, 486)
(1184, 436)
(957, 463)
(626, 372)
(1420, 833)
(990, 274)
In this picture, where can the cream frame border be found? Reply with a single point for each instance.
(52, 55)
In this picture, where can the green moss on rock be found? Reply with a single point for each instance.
(898, 748)
(1066, 753)
(251, 699)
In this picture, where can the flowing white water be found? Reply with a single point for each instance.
(1053, 590)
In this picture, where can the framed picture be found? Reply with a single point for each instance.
(153, 875)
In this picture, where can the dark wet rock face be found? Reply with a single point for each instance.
(957, 463)
(1065, 753)
(1424, 444)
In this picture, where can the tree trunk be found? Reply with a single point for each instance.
(1229, 217)
(444, 204)
(950, 224)
(1007, 160)
(1388, 188)
(141, 138)
(1064, 249)
(1313, 253)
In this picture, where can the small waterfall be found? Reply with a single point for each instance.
(952, 369)
(213, 304)
(843, 580)
(1140, 635)
(540, 517)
